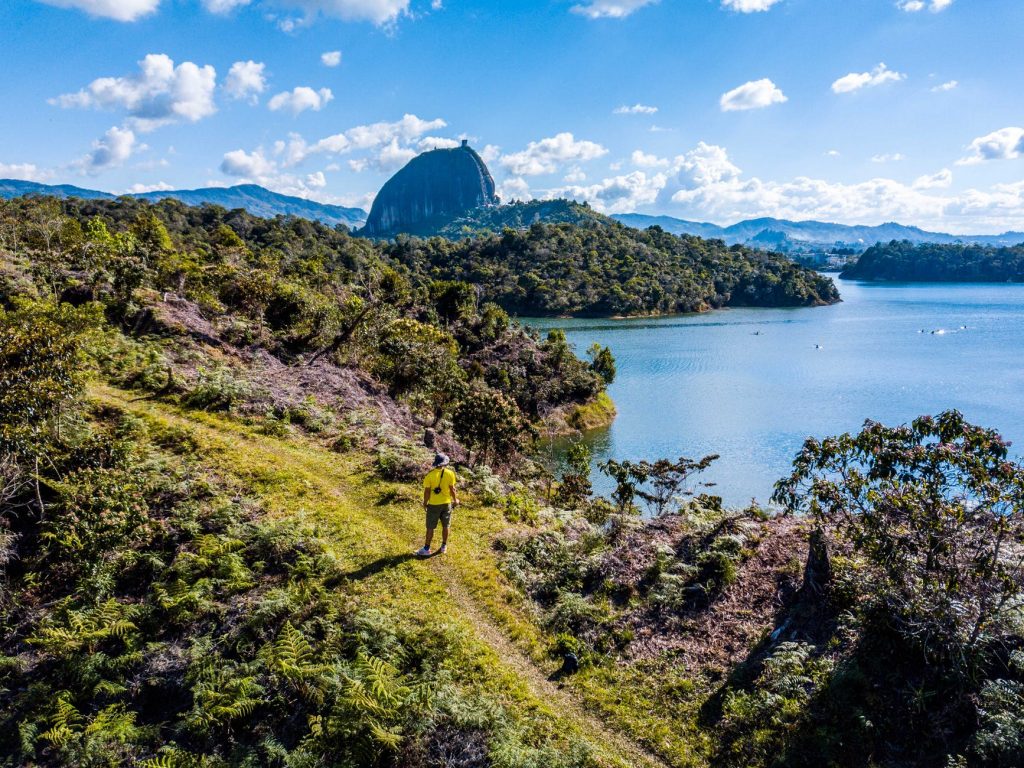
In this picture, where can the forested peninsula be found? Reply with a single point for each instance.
(902, 260)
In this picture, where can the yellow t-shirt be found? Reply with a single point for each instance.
(443, 477)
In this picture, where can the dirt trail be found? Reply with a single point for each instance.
(561, 699)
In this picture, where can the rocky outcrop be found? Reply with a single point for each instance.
(431, 190)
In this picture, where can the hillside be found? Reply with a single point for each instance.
(599, 268)
(249, 197)
(906, 261)
(213, 430)
(811, 232)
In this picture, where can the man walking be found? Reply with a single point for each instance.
(439, 497)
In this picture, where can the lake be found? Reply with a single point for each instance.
(752, 384)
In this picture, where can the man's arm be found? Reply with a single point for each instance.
(426, 496)
(455, 495)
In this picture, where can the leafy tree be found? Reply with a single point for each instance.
(489, 423)
(936, 510)
(575, 487)
(660, 483)
(602, 362)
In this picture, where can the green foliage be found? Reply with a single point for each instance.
(662, 484)
(932, 262)
(43, 366)
(595, 267)
(936, 508)
(602, 362)
(487, 422)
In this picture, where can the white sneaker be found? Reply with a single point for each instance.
(443, 549)
(423, 552)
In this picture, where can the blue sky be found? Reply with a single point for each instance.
(858, 112)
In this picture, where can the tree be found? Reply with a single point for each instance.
(602, 362)
(575, 487)
(936, 511)
(488, 422)
(658, 483)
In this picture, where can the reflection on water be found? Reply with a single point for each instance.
(752, 384)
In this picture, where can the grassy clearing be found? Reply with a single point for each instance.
(374, 527)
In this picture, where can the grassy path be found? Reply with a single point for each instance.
(374, 527)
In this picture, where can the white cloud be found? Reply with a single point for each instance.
(245, 80)
(109, 151)
(620, 194)
(160, 186)
(547, 155)
(833, 153)
(749, 6)
(378, 12)
(575, 176)
(913, 6)
(515, 188)
(756, 94)
(490, 153)
(1004, 144)
(224, 6)
(951, 85)
(643, 160)
(857, 80)
(23, 171)
(119, 10)
(300, 99)
(436, 142)
(889, 157)
(636, 109)
(330, 58)
(610, 9)
(161, 93)
(238, 162)
(941, 180)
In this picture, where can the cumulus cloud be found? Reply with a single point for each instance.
(949, 86)
(119, 10)
(757, 94)
(749, 6)
(548, 155)
(619, 194)
(254, 164)
(140, 189)
(1004, 144)
(610, 9)
(23, 172)
(245, 80)
(857, 80)
(636, 109)
(159, 94)
(641, 159)
(913, 6)
(889, 157)
(109, 151)
(437, 142)
(363, 137)
(516, 188)
(941, 180)
(300, 99)
(330, 58)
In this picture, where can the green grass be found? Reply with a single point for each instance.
(374, 526)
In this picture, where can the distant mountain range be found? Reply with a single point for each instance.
(768, 233)
(778, 232)
(254, 199)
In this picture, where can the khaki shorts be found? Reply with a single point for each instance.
(438, 512)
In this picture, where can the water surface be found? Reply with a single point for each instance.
(752, 384)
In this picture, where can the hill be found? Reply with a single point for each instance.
(812, 232)
(213, 430)
(931, 262)
(249, 197)
(591, 266)
(429, 191)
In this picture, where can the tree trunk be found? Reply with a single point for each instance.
(818, 573)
